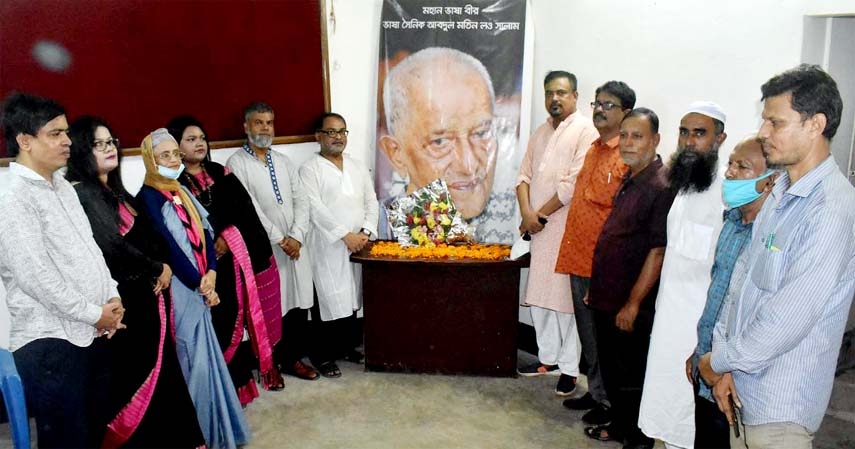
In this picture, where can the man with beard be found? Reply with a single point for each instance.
(344, 207)
(546, 182)
(596, 185)
(694, 223)
(273, 183)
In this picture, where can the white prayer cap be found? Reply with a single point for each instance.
(708, 108)
(159, 136)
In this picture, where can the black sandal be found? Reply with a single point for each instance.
(329, 369)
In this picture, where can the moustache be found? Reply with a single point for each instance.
(600, 115)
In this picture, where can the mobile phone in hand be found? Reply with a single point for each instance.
(734, 410)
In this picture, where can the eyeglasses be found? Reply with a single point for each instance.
(607, 106)
(103, 146)
(335, 132)
(169, 155)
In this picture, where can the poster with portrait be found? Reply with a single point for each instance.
(449, 100)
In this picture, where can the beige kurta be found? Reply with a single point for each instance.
(551, 163)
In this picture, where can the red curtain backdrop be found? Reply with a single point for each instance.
(137, 63)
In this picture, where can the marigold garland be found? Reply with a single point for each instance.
(476, 251)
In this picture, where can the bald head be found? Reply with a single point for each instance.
(750, 151)
(423, 76)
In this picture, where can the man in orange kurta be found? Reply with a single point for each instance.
(545, 185)
(596, 185)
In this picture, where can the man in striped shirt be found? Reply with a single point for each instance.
(777, 342)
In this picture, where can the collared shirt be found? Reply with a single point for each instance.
(782, 335)
(732, 240)
(596, 186)
(55, 276)
(636, 225)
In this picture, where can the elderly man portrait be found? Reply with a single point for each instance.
(545, 185)
(440, 123)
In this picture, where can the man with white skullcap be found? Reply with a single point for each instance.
(694, 222)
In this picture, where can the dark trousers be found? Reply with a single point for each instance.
(711, 428)
(65, 387)
(588, 336)
(623, 360)
(296, 338)
(333, 339)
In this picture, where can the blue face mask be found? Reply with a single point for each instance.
(739, 192)
(171, 173)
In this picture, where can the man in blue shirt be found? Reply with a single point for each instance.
(747, 184)
(777, 342)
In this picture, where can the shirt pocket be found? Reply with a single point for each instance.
(694, 241)
(768, 270)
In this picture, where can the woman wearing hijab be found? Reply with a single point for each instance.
(149, 405)
(248, 280)
(182, 222)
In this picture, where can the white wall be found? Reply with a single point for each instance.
(670, 52)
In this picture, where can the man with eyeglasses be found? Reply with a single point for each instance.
(274, 185)
(545, 185)
(60, 294)
(694, 224)
(340, 191)
(596, 185)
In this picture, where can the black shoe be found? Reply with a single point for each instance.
(599, 415)
(354, 356)
(566, 385)
(584, 402)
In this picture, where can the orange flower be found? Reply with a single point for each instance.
(476, 251)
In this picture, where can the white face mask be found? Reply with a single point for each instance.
(171, 173)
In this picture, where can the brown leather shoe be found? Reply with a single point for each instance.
(303, 371)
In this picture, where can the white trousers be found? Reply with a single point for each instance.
(557, 339)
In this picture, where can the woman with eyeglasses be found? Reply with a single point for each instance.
(183, 222)
(148, 403)
(248, 280)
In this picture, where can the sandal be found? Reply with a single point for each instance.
(273, 380)
(329, 369)
(597, 433)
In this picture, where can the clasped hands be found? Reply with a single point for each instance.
(206, 288)
(532, 222)
(355, 242)
(723, 387)
(111, 318)
(291, 246)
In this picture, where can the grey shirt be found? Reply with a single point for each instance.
(54, 273)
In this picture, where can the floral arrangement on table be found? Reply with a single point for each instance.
(427, 218)
(426, 225)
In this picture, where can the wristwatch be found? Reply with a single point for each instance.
(365, 231)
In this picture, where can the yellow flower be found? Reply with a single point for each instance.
(416, 219)
(433, 206)
(444, 220)
(443, 206)
(431, 223)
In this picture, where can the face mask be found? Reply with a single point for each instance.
(171, 173)
(739, 192)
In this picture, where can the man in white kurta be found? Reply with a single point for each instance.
(274, 185)
(547, 177)
(344, 214)
(694, 222)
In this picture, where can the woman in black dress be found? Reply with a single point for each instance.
(149, 403)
